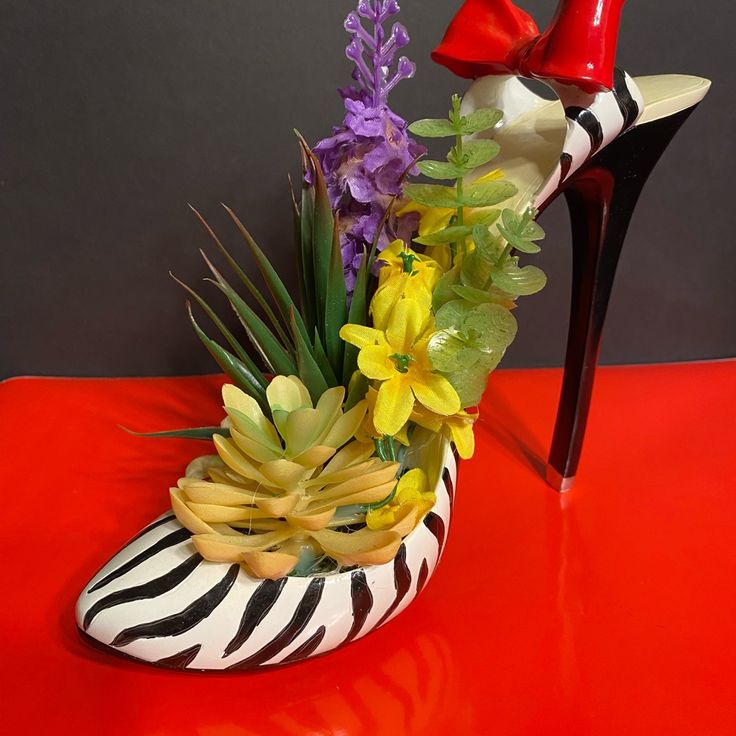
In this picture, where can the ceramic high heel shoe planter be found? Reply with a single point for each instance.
(158, 601)
(597, 144)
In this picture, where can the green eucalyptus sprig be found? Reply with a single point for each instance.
(473, 300)
(462, 160)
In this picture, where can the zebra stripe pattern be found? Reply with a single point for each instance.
(159, 602)
(593, 121)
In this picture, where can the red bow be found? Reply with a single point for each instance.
(496, 37)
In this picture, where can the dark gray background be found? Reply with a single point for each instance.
(115, 113)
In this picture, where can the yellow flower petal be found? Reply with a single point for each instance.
(412, 207)
(463, 437)
(385, 299)
(436, 393)
(410, 503)
(412, 485)
(374, 362)
(434, 219)
(393, 404)
(492, 175)
(361, 336)
(405, 326)
(391, 253)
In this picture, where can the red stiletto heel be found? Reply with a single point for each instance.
(598, 147)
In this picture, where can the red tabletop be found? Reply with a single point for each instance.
(609, 610)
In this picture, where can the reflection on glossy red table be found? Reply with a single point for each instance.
(610, 610)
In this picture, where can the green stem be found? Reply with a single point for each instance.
(460, 245)
(507, 250)
(504, 254)
(380, 449)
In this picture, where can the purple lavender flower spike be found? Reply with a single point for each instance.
(364, 159)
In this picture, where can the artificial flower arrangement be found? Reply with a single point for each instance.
(324, 506)
(406, 292)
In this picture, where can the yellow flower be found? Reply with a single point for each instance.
(411, 501)
(458, 428)
(397, 357)
(406, 275)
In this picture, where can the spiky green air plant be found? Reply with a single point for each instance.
(284, 491)
(301, 340)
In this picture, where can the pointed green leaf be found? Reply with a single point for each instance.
(358, 315)
(254, 291)
(335, 306)
(479, 152)
(443, 169)
(307, 254)
(482, 119)
(275, 285)
(432, 195)
(357, 390)
(451, 234)
(309, 372)
(237, 372)
(434, 128)
(486, 217)
(323, 362)
(487, 194)
(306, 296)
(196, 433)
(256, 377)
(322, 234)
(274, 354)
(379, 230)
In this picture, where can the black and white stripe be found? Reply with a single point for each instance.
(158, 601)
(593, 121)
